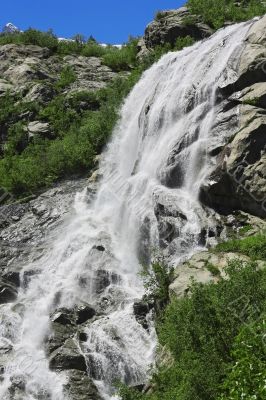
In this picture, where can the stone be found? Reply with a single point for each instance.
(40, 92)
(81, 387)
(103, 279)
(197, 268)
(5, 87)
(12, 277)
(8, 293)
(141, 310)
(38, 128)
(172, 24)
(84, 313)
(67, 357)
(59, 335)
(238, 180)
(63, 316)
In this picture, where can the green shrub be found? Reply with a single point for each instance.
(247, 377)
(216, 13)
(121, 59)
(252, 102)
(159, 15)
(253, 246)
(213, 269)
(204, 333)
(31, 36)
(17, 139)
(157, 277)
(78, 137)
(67, 77)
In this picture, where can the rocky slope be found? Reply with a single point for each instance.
(30, 73)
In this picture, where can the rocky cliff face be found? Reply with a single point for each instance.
(171, 25)
(238, 180)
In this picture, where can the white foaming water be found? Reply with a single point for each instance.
(168, 116)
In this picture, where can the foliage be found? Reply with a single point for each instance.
(157, 277)
(17, 139)
(115, 58)
(204, 333)
(122, 59)
(159, 15)
(216, 13)
(251, 102)
(213, 269)
(78, 136)
(247, 377)
(67, 77)
(253, 246)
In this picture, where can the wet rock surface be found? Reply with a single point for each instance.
(239, 179)
(81, 387)
(24, 227)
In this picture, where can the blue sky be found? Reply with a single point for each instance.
(109, 21)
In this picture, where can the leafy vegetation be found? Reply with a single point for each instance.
(216, 13)
(253, 246)
(157, 279)
(247, 374)
(78, 137)
(216, 338)
(67, 77)
(117, 59)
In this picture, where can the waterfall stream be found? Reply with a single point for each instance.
(147, 198)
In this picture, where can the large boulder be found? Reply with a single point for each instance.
(38, 128)
(68, 357)
(203, 267)
(172, 24)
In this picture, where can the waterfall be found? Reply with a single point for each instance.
(147, 199)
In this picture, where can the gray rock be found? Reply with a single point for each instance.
(8, 292)
(38, 128)
(141, 310)
(172, 24)
(81, 387)
(68, 357)
(197, 268)
(238, 180)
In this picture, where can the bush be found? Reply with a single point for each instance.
(122, 59)
(253, 246)
(67, 77)
(247, 376)
(203, 333)
(157, 277)
(79, 136)
(216, 13)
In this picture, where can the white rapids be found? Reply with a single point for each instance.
(167, 116)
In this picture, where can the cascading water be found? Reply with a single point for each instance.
(148, 197)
